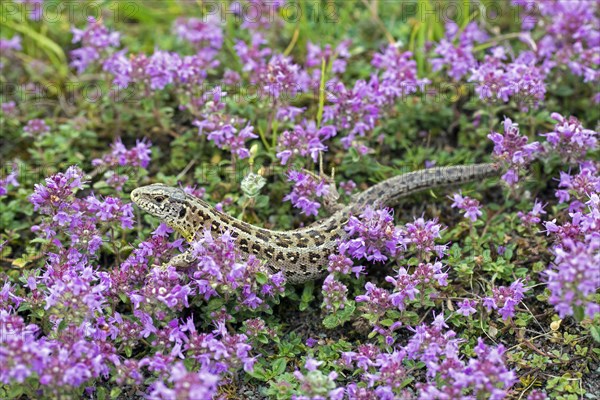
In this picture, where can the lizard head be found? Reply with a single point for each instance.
(167, 203)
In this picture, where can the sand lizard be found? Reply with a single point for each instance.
(302, 254)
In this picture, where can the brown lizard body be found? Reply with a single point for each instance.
(302, 254)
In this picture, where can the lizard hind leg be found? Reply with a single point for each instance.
(183, 260)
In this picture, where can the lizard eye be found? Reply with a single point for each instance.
(160, 199)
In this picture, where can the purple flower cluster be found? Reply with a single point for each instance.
(69, 360)
(458, 58)
(204, 34)
(258, 15)
(448, 376)
(9, 109)
(520, 80)
(334, 294)
(33, 7)
(307, 189)
(376, 300)
(486, 375)
(96, 41)
(467, 307)
(7, 50)
(571, 40)
(223, 129)
(504, 299)
(185, 384)
(420, 236)
(316, 385)
(36, 127)
(570, 139)
(357, 109)
(513, 150)
(423, 280)
(161, 69)
(220, 270)
(282, 78)
(80, 217)
(532, 217)
(120, 156)
(469, 206)
(580, 186)
(372, 236)
(305, 139)
(574, 276)
(10, 179)
(338, 57)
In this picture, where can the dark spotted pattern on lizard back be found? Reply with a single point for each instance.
(301, 254)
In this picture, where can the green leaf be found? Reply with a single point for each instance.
(579, 313)
(258, 372)
(279, 366)
(307, 295)
(115, 392)
(354, 154)
(261, 278)
(595, 332)
(340, 317)
(101, 393)
(15, 391)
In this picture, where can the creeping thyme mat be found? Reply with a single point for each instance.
(268, 110)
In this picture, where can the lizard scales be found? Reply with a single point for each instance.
(301, 254)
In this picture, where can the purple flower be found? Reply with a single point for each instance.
(372, 235)
(573, 277)
(205, 34)
(422, 281)
(504, 299)
(162, 69)
(376, 299)
(221, 129)
(9, 109)
(34, 8)
(120, 156)
(458, 58)
(186, 385)
(513, 150)
(520, 80)
(399, 74)
(580, 186)
(467, 307)
(334, 294)
(13, 44)
(348, 187)
(282, 79)
(421, 236)
(10, 179)
(314, 384)
(468, 205)
(96, 41)
(532, 217)
(305, 192)
(304, 140)
(339, 263)
(36, 127)
(571, 139)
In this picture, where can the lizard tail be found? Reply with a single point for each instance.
(389, 192)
